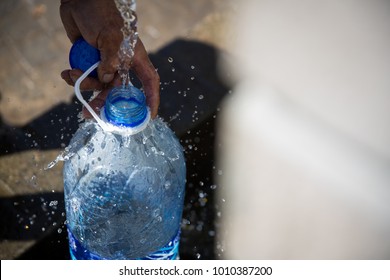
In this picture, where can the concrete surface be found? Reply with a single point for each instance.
(39, 114)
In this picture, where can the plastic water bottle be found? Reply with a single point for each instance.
(124, 188)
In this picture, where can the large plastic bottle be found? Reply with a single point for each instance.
(124, 189)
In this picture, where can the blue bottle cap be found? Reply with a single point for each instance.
(82, 56)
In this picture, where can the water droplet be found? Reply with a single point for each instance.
(201, 97)
(173, 69)
(170, 59)
(33, 181)
(192, 67)
(167, 185)
(192, 78)
(51, 164)
(156, 213)
(53, 203)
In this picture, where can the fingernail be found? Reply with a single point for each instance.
(107, 78)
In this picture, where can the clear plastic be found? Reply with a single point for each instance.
(124, 194)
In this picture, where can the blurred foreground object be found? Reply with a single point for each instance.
(305, 137)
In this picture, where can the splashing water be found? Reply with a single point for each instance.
(130, 36)
(65, 155)
(74, 147)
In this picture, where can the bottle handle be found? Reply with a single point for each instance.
(102, 124)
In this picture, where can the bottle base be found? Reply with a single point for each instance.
(168, 252)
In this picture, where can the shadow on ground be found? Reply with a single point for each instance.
(191, 91)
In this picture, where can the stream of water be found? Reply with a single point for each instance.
(130, 36)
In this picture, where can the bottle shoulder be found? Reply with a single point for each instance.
(154, 145)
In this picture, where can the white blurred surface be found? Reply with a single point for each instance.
(305, 137)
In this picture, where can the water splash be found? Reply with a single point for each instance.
(73, 148)
(65, 155)
(33, 181)
(130, 36)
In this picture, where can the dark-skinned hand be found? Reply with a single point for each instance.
(99, 23)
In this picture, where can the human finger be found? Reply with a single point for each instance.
(89, 83)
(71, 28)
(147, 74)
(97, 103)
(108, 43)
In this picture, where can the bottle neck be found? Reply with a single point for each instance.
(126, 106)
